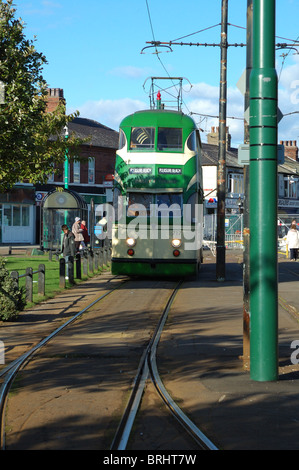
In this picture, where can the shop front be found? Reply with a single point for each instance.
(17, 216)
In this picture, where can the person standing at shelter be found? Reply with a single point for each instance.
(292, 241)
(78, 232)
(68, 246)
(85, 234)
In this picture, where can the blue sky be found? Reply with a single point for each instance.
(93, 48)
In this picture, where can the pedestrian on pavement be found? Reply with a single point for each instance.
(68, 246)
(292, 241)
(78, 233)
(86, 237)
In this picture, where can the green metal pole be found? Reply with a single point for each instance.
(66, 170)
(66, 161)
(263, 196)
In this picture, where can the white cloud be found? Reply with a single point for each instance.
(288, 99)
(204, 100)
(109, 112)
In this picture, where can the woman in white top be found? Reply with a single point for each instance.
(293, 241)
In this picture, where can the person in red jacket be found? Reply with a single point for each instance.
(85, 234)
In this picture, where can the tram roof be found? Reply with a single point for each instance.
(155, 117)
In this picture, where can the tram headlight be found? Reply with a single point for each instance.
(131, 241)
(176, 242)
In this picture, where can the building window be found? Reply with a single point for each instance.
(16, 216)
(7, 216)
(235, 183)
(91, 171)
(25, 216)
(291, 187)
(16, 210)
(76, 170)
(51, 177)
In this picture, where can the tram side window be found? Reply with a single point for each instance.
(139, 204)
(191, 142)
(169, 139)
(142, 138)
(122, 139)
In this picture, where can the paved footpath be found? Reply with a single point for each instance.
(236, 412)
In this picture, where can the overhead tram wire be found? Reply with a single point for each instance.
(158, 56)
(285, 55)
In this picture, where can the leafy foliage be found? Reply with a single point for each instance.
(12, 298)
(31, 140)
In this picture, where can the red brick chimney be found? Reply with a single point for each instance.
(213, 137)
(55, 96)
(290, 149)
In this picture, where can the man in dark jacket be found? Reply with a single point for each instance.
(68, 245)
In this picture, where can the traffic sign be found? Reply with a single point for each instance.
(241, 85)
(244, 159)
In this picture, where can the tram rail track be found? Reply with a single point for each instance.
(147, 368)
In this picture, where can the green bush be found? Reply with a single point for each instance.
(12, 298)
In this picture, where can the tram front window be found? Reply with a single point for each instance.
(142, 138)
(169, 139)
(139, 204)
(169, 204)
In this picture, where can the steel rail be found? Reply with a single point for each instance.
(148, 366)
(13, 368)
(123, 431)
(187, 424)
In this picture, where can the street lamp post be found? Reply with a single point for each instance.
(66, 160)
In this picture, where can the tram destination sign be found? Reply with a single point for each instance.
(170, 171)
(140, 171)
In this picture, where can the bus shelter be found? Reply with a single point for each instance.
(60, 207)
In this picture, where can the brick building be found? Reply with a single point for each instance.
(20, 210)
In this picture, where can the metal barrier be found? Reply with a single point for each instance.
(89, 260)
(233, 231)
(86, 261)
(41, 271)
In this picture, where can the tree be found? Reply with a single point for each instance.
(31, 140)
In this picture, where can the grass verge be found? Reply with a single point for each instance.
(52, 288)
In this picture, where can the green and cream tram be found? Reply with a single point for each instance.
(158, 196)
